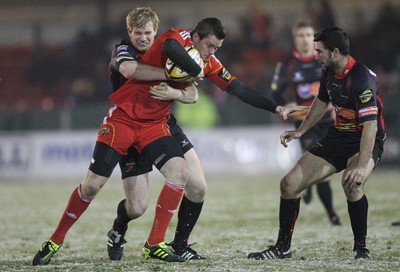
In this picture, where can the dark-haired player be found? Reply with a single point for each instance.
(300, 72)
(354, 144)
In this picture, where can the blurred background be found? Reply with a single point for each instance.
(54, 57)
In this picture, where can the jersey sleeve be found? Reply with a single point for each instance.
(120, 54)
(364, 93)
(217, 73)
(279, 83)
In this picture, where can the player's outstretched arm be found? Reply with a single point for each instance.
(130, 68)
(289, 109)
(139, 71)
(250, 96)
(315, 113)
(287, 136)
(164, 92)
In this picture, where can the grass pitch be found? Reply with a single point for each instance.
(240, 215)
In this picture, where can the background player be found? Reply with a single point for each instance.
(354, 144)
(301, 71)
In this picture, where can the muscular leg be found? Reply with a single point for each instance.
(135, 203)
(192, 201)
(308, 170)
(176, 173)
(357, 203)
(77, 204)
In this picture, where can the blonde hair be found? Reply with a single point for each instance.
(140, 16)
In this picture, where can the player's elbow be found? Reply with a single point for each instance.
(128, 71)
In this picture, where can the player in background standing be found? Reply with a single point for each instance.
(207, 37)
(354, 144)
(301, 72)
(117, 142)
(142, 24)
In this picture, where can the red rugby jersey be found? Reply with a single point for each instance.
(134, 96)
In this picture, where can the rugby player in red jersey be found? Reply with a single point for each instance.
(353, 144)
(142, 24)
(300, 73)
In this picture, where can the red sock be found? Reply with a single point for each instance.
(167, 204)
(77, 204)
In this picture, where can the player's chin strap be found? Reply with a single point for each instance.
(178, 54)
(250, 96)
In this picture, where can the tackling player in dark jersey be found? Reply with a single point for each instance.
(301, 72)
(353, 144)
(142, 25)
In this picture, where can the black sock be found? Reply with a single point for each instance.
(122, 220)
(288, 213)
(325, 194)
(358, 211)
(188, 214)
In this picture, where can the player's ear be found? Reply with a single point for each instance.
(195, 37)
(335, 52)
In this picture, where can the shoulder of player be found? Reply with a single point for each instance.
(213, 65)
(125, 48)
(362, 78)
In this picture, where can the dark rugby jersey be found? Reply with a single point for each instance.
(356, 97)
(301, 76)
(123, 51)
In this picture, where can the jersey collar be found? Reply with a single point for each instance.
(350, 63)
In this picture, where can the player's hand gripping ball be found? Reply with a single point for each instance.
(175, 72)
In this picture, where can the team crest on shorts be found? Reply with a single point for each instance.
(104, 131)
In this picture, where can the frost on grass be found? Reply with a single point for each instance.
(240, 215)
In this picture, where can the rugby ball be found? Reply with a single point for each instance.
(175, 72)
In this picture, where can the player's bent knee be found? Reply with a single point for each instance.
(353, 193)
(92, 184)
(288, 187)
(195, 192)
(136, 209)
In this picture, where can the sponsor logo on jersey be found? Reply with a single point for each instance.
(123, 53)
(366, 96)
(346, 113)
(184, 143)
(307, 90)
(368, 111)
(298, 77)
(122, 47)
(224, 74)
